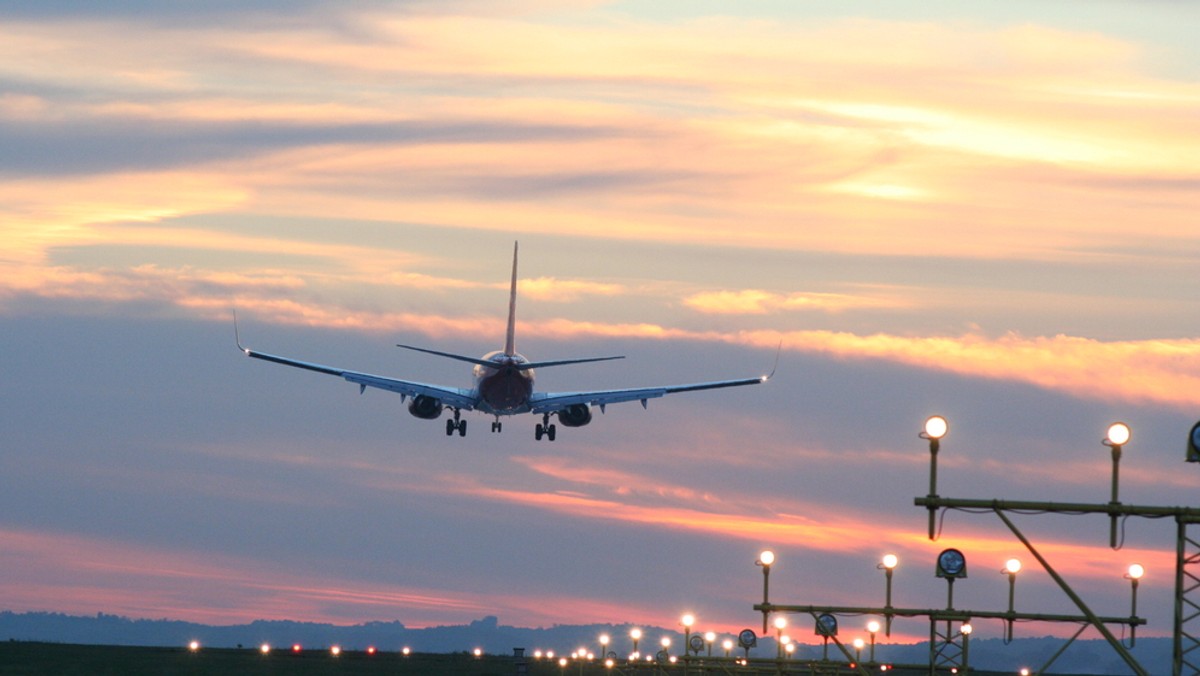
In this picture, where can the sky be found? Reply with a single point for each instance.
(985, 211)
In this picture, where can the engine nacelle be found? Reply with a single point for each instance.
(575, 415)
(426, 408)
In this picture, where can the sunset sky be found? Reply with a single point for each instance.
(985, 210)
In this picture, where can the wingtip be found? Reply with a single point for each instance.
(774, 366)
(237, 336)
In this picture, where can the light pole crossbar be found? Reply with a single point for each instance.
(1185, 514)
(940, 614)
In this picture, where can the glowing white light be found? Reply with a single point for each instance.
(688, 620)
(780, 622)
(264, 648)
(873, 627)
(406, 651)
(859, 644)
(635, 634)
(936, 427)
(478, 652)
(1012, 566)
(967, 629)
(890, 561)
(710, 636)
(194, 646)
(335, 650)
(767, 557)
(1136, 571)
(1118, 434)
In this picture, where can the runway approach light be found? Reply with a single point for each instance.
(194, 646)
(936, 427)
(1118, 434)
(265, 648)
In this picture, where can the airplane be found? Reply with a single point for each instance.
(503, 385)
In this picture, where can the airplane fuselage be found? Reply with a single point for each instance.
(504, 388)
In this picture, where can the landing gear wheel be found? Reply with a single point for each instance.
(538, 431)
(550, 432)
(462, 428)
(450, 426)
(497, 426)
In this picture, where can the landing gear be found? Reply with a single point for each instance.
(497, 426)
(456, 424)
(544, 429)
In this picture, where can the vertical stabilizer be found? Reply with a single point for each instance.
(510, 339)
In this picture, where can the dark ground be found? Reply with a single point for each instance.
(19, 658)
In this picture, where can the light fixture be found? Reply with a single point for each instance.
(935, 427)
(1118, 434)
(765, 559)
(827, 625)
(951, 564)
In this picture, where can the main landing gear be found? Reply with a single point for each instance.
(497, 426)
(544, 429)
(456, 424)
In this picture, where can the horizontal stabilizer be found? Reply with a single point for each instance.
(448, 355)
(561, 362)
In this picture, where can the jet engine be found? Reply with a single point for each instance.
(426, 408)
(575, 415)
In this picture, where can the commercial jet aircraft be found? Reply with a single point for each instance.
(503, 385)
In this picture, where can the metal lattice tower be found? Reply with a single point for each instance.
(1187, 599)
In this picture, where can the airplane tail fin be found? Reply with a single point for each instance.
(510, 339)
(510, 348)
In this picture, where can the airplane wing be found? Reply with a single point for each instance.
(548, 402)
(455, 397)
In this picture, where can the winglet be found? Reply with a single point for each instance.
(775, 365)
(510, 340)
(237, 338)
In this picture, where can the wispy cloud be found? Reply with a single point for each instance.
(759, 302)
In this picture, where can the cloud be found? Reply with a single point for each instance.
(1163, 372)
(600, 135)
(566, 290)
(759, 302)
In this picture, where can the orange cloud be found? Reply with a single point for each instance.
(1158, 371)
(566, 290)
(1071, 112)
(758, 302)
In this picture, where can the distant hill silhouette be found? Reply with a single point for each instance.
(1092, 657)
